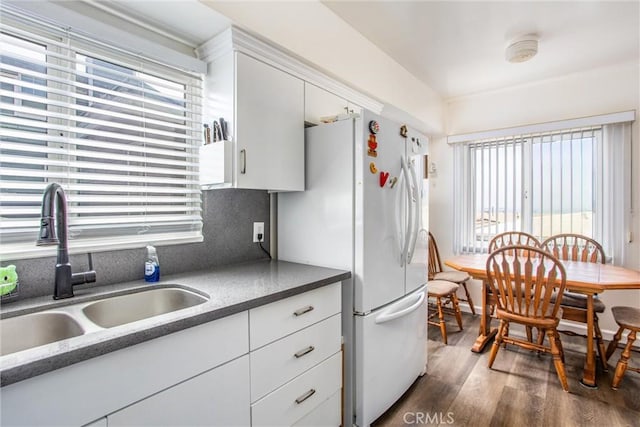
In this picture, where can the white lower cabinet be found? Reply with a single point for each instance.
(219, 397)
(273, 321)
(103, 385)
(300, 396)
(207, 375)
(276, 363)
(296, 359)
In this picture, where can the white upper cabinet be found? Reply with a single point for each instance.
(264, 108)
(269, 127)
(265, 96)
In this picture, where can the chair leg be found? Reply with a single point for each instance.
(540, 337)
(456, 308)
(554, 339)
(600, 344)
(496, 343)
(443, 326)
(529, 333)
(505, 334)
(621, 367)
(614, 343)
(469, 300)
(559, 344)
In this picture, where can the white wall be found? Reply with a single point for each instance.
(601, 91)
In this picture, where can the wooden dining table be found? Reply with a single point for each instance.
(582, 277)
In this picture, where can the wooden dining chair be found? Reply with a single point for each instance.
(436, 272)
(444, 294)
(523, 280)
(510, 238)
(576, 247)
(626, 318)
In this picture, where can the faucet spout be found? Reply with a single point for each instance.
(54, 231)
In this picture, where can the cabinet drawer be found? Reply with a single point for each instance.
(299, 397)
(280, 361)
(326, 414)
(280, 318)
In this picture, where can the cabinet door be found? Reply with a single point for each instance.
(269, 128)
(219, 397)
(320, 103)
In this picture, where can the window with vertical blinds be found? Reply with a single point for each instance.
(543, 184)
(119, 133)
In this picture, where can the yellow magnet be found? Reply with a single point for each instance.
(373, 168)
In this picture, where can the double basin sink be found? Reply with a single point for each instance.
(35, 329)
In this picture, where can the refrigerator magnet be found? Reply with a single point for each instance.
(383, 178)
(373, 146)
(374, 127)
(403, 131)
(373, 168)
(393, 181)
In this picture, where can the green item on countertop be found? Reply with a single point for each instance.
(8, 279)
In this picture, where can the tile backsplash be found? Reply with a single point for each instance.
(228, 216)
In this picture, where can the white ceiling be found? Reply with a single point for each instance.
(456, 48)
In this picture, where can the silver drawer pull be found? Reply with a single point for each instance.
(243, 161)
(303, 310)
(305, 396)
(304, 351)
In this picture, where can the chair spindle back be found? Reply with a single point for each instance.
(574, 247)
(523, 280)
(435, 265)
(511, 238)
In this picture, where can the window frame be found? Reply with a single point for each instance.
(611, 160)
(488, 152)
(82, 46)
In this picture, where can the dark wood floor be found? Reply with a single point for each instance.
(522, 389)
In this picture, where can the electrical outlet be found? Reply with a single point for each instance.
(258, 232)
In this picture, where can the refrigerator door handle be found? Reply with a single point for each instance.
(405, 249)
(417, 203)
(387, 317)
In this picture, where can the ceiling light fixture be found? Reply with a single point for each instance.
(522, 49)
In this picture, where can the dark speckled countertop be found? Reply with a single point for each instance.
(231, 289)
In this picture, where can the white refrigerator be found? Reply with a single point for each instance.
(364, 209)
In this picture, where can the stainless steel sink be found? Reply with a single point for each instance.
(128, 308)
(33, 330)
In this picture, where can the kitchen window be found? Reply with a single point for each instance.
(571, 180)
(118, 132)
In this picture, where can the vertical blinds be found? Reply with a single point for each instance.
(119, 133)
(544, 184)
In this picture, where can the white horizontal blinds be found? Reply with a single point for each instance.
(118, 133)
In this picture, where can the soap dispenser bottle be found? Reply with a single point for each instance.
(151, 265)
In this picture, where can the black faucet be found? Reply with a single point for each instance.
(50, 234)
